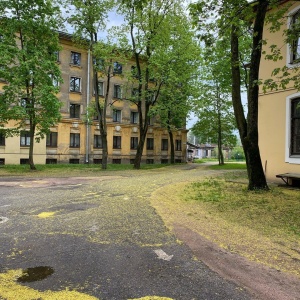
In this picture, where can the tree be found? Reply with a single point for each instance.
(88, 19)
(213, 106)
(239, 19)
(148, 23)
(180, 71)
(28, 46)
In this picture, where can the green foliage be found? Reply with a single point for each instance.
(158, 43)
(238, 153)
(29, 41)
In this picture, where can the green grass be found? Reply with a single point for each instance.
(71, 169)
(265, 211)
(230, 166)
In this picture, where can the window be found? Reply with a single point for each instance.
(2, 161)
(131, 161)
(150, 161)
(134, 117)
(97, 161)
(116, 161)
(51, 161)
(97, 141)
(25, 139)
(116, 142)
(150, 143)
(54, 80)
(178, 161)
(178, 145)
(2, 139)
(101, 88)
(75, 111)
(74, 140)
(24, 102)
(116, 115)
(164, 161)
(24, 161)
(164, 144)
(134, 143)
(75, 58)
(117, 91)
(117, 68)
(51, 140)
(74, 161)
(75, 84)
(295, 44)
(295, 127)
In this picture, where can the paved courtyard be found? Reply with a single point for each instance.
(99, 238)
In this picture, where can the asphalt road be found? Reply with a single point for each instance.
(99, 237)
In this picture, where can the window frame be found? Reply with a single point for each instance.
(117, 91)
(164, 144)
(51, 139)
(134, 117)
(73, 138)
(73, 84)
(117, 142)
(75, 110)
(75, 61)
(290, 60)
(117, 68)
(117, 115)
(134, 142)
(100, 91)
(178, 145)
(2, 139)
(25, 135)
(292, 159)
(97, 141)
(150, 145)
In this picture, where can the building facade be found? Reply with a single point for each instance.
(279, 110)
(74, 140)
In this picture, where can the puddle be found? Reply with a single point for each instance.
(35, 274)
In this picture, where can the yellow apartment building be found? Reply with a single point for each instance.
(74, 140)
(279, 110)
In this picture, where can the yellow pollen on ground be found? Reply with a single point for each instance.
(11, 290)
(46, 214)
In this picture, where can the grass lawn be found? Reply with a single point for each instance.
(61, 170)
(263, 226)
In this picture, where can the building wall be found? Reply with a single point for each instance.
(86, 153)
(273, 119)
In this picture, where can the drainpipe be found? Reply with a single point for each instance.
(87, 148)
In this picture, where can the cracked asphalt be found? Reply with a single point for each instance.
(101, 238)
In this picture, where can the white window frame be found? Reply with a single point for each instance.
(289, 63)
(289, 159)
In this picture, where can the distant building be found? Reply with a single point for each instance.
(72, 140)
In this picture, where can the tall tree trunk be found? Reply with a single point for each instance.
(31, 132)
(140, 148)
(101, 110)
(220, 142)
(172, 145)
(248, 129)
(104, 151)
